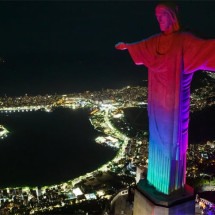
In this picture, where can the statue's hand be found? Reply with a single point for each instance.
(121, 46)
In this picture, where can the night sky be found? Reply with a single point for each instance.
(80, 27)
(67, 46)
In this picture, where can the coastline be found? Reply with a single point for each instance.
(73, 190)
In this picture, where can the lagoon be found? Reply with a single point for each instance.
(49, 148)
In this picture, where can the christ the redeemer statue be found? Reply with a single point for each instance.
(171, 57)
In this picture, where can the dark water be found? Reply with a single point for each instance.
(46, 148)
(202, 126)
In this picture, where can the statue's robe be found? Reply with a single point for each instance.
(171, 61)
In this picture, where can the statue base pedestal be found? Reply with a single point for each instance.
(148, 201)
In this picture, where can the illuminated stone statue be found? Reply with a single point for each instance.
(171, 57)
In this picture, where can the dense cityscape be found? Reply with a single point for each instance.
(97, 192)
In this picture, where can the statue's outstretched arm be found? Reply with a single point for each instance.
(121, 46)
(137, 50)
(199, 54)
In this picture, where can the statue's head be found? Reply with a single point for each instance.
(166, 14)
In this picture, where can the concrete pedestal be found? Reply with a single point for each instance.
(148, 201)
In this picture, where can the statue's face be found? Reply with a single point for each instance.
(163, 18)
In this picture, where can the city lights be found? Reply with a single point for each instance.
(108, 117)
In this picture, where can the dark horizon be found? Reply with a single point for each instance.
(60, 47)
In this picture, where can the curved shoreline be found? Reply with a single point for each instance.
(68, 186)
(71, 187)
